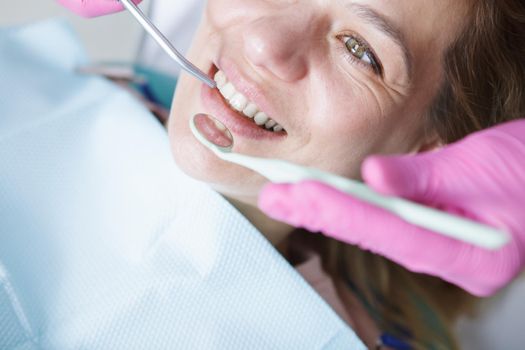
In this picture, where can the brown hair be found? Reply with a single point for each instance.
(483, 85)
(484, 71)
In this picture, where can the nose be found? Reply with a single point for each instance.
(279, 45)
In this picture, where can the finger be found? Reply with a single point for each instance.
(293, 204)
(272, 200)
(317, 207)
(419, 250)
(407, 176)
(481, 272)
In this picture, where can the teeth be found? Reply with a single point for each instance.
(241, 104)
(220, 79)
(228, 91)
(270, 124)
(260, 118)
(251, 110)
(220, 126)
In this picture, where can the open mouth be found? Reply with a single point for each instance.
(241, 105)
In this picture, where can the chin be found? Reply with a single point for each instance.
(196, 160)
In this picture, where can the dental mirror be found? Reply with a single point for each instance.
(215, 136)
(212, 133)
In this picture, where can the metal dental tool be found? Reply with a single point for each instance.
(155, 33)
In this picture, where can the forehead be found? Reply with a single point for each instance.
(434, 21)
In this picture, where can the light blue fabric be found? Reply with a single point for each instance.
(105, 244)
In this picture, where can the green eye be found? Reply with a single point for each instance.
(358, 49)
(361, 52)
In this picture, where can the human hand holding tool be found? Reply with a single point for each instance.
(213, 134)
(481, 177)
(94, 8)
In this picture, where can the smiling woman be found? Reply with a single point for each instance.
(325, 84)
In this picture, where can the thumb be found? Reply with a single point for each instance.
(309, 204)
(275, 201)
(409, 176)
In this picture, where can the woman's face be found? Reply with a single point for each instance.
(345, 79)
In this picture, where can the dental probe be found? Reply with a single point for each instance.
(155, 33)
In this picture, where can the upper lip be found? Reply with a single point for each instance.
(247, 87)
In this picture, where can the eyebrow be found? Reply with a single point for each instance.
(379, 21)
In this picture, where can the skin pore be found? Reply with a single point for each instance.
(345, 79)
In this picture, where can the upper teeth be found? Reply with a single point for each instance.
(240, 103)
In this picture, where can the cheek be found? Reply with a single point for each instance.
(349, 127)
(346, 103)
(352, 116)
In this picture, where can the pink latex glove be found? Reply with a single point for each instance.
(93, 8)
(481, 177)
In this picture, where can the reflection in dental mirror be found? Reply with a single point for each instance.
(209, 130)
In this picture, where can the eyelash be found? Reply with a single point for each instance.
(350, 55)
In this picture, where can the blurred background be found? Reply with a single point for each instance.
(118, 37)
(112, 38)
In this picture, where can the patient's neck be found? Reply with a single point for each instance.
(276, 232)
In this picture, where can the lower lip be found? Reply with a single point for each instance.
(236, 123)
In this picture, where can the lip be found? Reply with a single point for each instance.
(247, 87)
(236, 123)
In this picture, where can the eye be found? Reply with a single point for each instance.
(361, 52)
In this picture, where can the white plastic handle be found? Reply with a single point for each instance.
(450, 225)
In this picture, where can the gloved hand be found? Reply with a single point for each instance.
(94, 8)
(481, 177)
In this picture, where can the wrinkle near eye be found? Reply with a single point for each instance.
(375, 87)
(365, 89)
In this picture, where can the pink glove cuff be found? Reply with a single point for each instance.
(89, 9)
